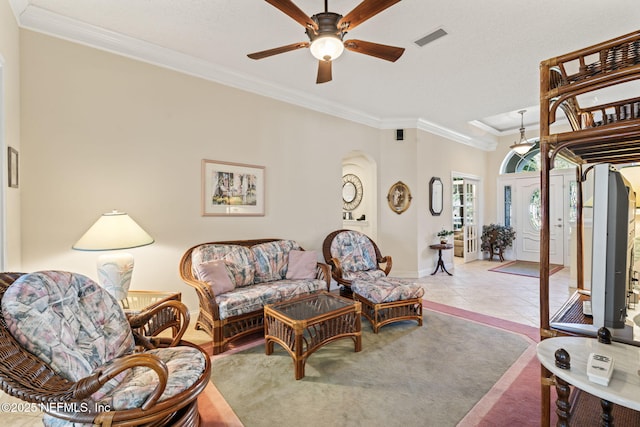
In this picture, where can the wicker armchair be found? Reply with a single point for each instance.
(77, 326)
(356, 260)
(342, 246)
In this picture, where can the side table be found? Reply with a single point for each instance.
(440, 265)
(137, 301)
(623, 388)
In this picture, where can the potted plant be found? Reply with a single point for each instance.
(496, 238)
(442, 234)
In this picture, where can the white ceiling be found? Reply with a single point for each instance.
(467, 86)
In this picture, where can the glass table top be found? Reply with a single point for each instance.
(311, 306)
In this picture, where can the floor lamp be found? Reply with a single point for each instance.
(113, 231)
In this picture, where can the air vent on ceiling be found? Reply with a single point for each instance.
(431, 37)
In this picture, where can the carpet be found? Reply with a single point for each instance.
(515, 400)
(525, 268)
(406, 375)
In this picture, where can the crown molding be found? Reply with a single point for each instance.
(43, 21)
(433, 128)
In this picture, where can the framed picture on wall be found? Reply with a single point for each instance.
(399, 197)
(13, 160)
(232, 189)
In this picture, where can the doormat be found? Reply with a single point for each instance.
(525, 268)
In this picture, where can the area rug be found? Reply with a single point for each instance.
(404, 376)
(515, 400)
(525, 268)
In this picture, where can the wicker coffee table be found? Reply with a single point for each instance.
(305, 324)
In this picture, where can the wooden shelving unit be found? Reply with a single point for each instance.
(605, 133)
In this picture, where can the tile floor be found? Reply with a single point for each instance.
(473, 287)
(506, 296)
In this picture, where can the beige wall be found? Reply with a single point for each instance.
(10, 128)
(438, 157)
(103, 132)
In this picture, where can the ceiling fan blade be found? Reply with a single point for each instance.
(382, 51)
(278, 50)
(293, 11)
(324, 71)
(364, 11)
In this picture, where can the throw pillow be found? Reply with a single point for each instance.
(215, 274)
(302, 265)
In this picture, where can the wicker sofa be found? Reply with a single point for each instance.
(262, 271)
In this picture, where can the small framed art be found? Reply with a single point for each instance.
(232, 189)
(399, 197)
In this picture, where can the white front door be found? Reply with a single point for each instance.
(528, 219)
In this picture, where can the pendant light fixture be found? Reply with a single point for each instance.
(523, 146)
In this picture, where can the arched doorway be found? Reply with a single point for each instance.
(359, 194)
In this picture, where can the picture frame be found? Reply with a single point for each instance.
(436, 196)
(399, 197)
(232, 189)
(14, 164)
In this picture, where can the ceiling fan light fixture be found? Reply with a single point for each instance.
(523, 146)
(327, 48)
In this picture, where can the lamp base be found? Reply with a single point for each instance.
(114, 273)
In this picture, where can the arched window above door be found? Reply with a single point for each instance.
(530, 162)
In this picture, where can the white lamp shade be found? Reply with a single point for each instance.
(327, 48)
(113, 230)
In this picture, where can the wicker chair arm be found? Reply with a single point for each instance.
(122, 364)
(139, 320)
(323, 272)
(336, 271)
(387, 261)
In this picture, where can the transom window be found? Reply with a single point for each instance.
(530, 162)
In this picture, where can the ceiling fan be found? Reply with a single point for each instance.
(326, 31)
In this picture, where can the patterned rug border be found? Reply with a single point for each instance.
(553, 268)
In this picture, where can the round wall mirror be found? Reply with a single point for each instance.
(351, 192)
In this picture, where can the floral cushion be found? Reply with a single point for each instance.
(238, 260)
(271, 259)
(184, 363)
(388, 289)
(354, 250)
(252, 298)
(67, 320)
(366, 275)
